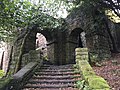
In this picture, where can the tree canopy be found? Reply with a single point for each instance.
(16, 14)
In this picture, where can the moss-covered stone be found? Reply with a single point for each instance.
(102, 89)
(84, 62)
(82, 57)
(92, 80)
(81, 53)
(81, 50)
(85, 68)
(97, 82)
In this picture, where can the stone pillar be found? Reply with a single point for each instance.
(61, 48)
(52, 57)
(70, 51)
(81, 54)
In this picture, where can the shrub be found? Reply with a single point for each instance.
(2, 73)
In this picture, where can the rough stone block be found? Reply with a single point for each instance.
(97, 82)
(25, 59)
(81, 53)
(20, 74)
(83, 57)
(85, 68)
(81, 50)
(34, 55)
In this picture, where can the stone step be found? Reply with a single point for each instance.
(43, 86)
(56, 77)
(55, 74)
(50, 77)
(52, 81)
(67, 88)
(57, 67)
(68, 65)
(55, 70)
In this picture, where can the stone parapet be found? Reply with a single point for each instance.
(17, 81)
(94, 81)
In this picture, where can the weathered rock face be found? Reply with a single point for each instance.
(92, 23)
(115, 31)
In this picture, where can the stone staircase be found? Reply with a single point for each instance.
(51, 77)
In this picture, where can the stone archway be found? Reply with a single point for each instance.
(30, 43)
(76, 39)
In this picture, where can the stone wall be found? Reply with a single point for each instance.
(32, 56)
(26, 42)
(92, 23)
(19, 49)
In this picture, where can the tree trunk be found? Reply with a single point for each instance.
(1, 64)
(114, 48)
(10, 59)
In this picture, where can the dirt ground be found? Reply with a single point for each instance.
(110, 71)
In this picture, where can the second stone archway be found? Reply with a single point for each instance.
(75, 39)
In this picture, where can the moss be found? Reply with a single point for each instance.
(86, 69)
(84, 62)
(2, 73)
(45, 58)
(4, 82)
(84, 65)
(93, 57)
(87, 72)
(81, 53)
(93, 81)
(81, 49)
(75, 66)
(82, 57)
(102, 89)
(97, 82)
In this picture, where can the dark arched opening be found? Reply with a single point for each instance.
(46, 46)
(45, 38)
(76, 39)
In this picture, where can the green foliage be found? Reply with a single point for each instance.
(82, 85)
(75, 66)
(4, 82)
(1, 73)
(16, 14)
(45, 58)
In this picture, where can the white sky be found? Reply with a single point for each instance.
(61, 13)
